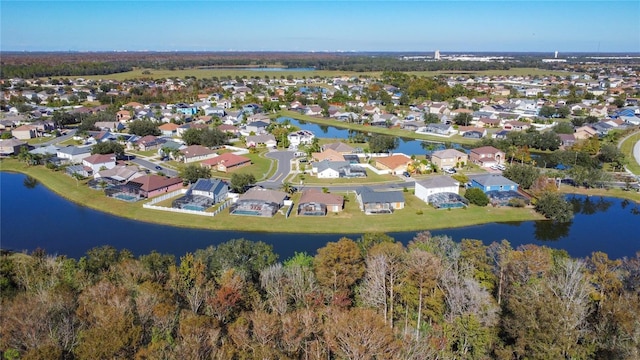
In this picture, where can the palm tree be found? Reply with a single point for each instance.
(288, 187)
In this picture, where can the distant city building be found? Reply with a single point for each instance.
(437, 55)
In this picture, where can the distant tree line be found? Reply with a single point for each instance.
(110, 64)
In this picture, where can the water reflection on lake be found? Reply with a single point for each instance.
(406, 145)
(33, 216)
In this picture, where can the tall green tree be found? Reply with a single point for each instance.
(240, 182)
(192, 172)
(554, 206)
(382, 143)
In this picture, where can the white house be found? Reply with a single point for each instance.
(99, 162)
(300, 137)
(74, 154)
(435, 185)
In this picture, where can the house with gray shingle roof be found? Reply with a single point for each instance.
(379, 202)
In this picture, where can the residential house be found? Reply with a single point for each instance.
(24, 132)
(119, 173)
(78, 170)
(226, 162)
(339, 147)
(214, 189)
(185, 109)
(584, 132)
(486, 156)
(440, 191)
(123, 116)
(267, 140)
(337, 169)
(300, 137)
(567, 140)
(488, 122)
(99, 162)
(396, 164)
(73, 154)
(150, 142)
(152, 185)
(438, 129)
(329, 154)
(169, 129)
(113, 126)
(44, 150)
(312, 110)
(314, 202)
(601, 128)
(229, 129)
(216, 111)
(195, 153)
(498, 188)
(256, 127)
(472, 132)
(383, 202)
(449, 158)
(259, 202)
(516, 126)
(11, 146)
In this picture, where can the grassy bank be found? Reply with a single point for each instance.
(396, 132)
(416, 215)
(617, 193)
(627, 149)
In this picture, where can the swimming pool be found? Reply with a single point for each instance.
(126, 197)
(246, 212)
(193, 207)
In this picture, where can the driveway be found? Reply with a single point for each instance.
(283, 163)
(152, 166)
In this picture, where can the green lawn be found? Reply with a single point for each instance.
(372, 178)
(397, 132)
(39, 140)
(148, 153)
(627, 149)
(261, 167)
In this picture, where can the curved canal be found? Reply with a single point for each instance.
(33, 217)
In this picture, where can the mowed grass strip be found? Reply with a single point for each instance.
(352, 220)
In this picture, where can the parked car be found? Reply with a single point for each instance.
(406, 174)
(450, 171)
(158, 167)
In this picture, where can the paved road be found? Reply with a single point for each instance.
(283, 162)
(58, 139)
(152, 166)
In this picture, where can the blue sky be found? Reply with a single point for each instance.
(565, 26)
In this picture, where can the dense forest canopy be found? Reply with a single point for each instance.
(370, 298)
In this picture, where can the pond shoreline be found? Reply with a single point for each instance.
(67, 188)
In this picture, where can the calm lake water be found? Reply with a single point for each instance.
(406, 146)
(33, 216)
